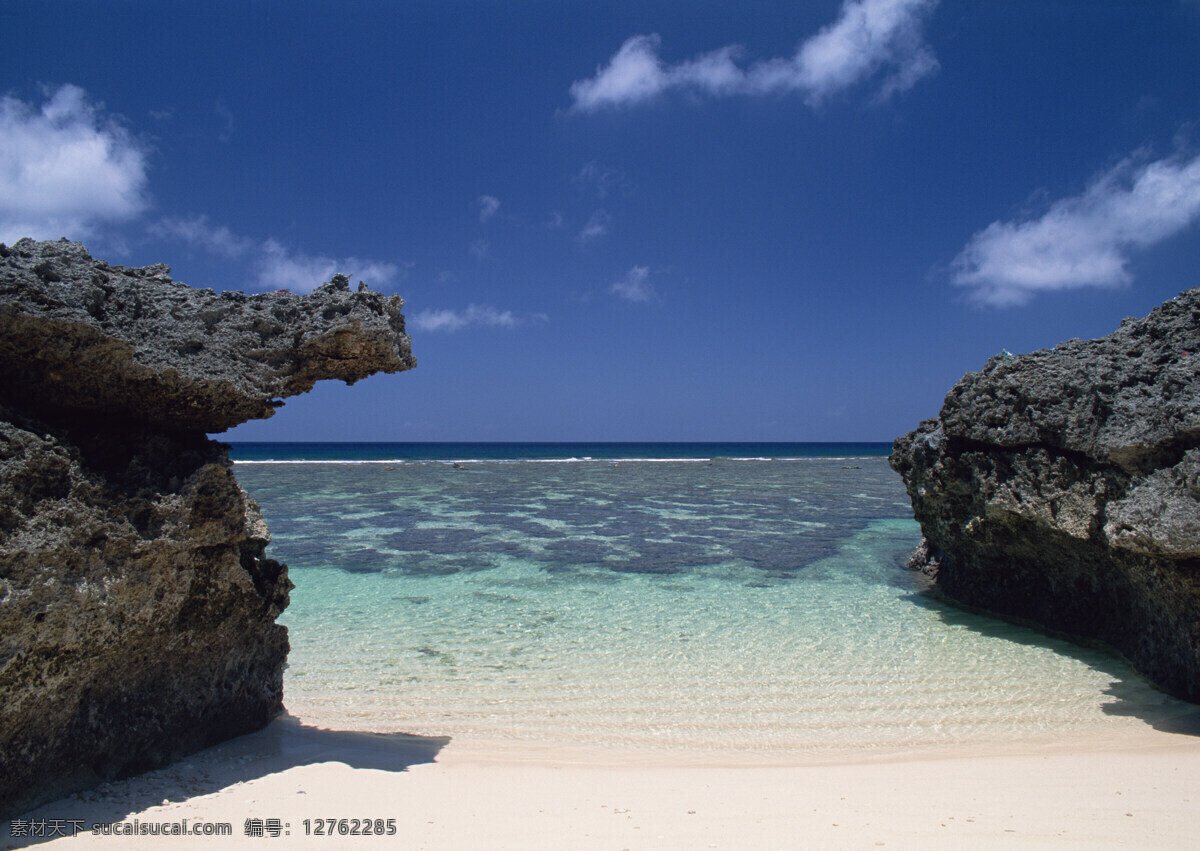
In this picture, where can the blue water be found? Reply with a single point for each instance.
(544, 451)
(736, 600)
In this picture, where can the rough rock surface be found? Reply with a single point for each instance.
(137, 603)
(1063, 487)
(79, 336)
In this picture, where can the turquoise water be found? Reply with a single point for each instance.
(736, 607)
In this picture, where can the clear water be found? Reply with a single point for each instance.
(731, 607)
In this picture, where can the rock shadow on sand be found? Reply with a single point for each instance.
(1135, 696)
(283, 744)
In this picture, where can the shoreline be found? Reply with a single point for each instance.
(1142, 787)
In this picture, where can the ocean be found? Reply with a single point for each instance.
(734, 602)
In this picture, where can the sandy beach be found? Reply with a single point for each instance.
(624, 425)
(1142, 790)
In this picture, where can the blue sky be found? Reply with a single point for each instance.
(630, 220)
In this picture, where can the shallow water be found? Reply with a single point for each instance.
(737, 607)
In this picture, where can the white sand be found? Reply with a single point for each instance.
(1140, 791)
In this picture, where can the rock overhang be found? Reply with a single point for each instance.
(78, 335)
(137, 600)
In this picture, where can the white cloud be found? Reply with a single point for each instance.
(275, 267)
(479, 249)
(197, 231)
(1085, 240)
(488, 205)
(596, 227)
(227, 123)
(279, 269)
(635, 286)
(600, 179)
(65, 169)
(868, 38)
(634, 74)
(456, 320)
(869, 35)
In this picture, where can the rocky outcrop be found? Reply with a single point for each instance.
(1063, 487)
(137, 602)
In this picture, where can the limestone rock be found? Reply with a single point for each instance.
(137, 602)
(1063, 487)
(78, 335)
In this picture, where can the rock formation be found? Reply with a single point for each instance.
(137, 603)
(1063, 487)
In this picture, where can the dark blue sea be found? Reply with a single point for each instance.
(549, 451)
(741, 601)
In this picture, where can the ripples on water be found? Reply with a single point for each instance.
(738, 607)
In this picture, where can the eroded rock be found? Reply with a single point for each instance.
(137, 602)
(79, 336)
(1063, 487)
